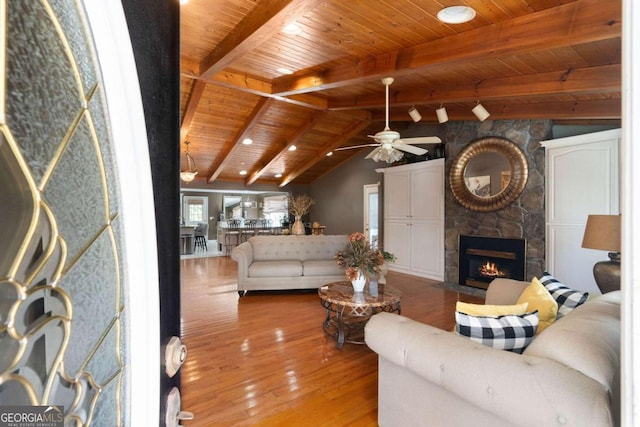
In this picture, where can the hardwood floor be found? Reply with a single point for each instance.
(264, 359)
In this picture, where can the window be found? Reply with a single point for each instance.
(275, 208)
(195, 209)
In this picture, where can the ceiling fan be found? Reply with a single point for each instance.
(389, 145)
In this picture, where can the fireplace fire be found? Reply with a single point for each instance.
(483, 259)
(489, 269)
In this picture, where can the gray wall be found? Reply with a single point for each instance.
(339, 195)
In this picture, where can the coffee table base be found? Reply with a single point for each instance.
(349, 327)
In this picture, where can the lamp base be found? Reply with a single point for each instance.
(607, 273)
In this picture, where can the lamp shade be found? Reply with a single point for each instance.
(480, 112)
(442, 115)
(190, 173)
(602, 232)
(415, 114)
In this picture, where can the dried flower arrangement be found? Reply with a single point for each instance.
(299, 205)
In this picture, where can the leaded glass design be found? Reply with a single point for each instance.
(61, 289)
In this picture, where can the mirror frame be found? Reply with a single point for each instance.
(519, 174)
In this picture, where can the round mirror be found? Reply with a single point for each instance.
(488, 174)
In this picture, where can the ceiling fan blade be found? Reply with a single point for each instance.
(355, 146)
(374, 152)
(421, 140)
(410, 149)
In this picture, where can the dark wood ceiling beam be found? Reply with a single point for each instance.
(606, 78)
(354, 130)
(267, 18)
(257, 113)
(293, 140)
(255, 86)
(609, 109)
(572, 23)
(190, 108)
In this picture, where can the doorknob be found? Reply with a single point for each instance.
(174, 414)
(174, 356)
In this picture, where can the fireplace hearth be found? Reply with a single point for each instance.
(483, 259)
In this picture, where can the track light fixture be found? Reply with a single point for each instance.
(190, 173)
(481, 113)
(415, 114)
(441, 112)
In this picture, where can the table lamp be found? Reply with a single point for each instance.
(603, 233)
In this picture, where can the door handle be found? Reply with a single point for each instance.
(174, 414)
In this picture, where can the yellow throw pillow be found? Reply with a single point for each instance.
(491, 310)
(540, 299)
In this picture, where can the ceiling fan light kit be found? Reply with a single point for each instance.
(388, 142)
(190, 173)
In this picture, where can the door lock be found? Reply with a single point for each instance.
(174, 356)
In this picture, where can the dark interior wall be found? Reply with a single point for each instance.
(338, 196)
(524, 218)
(154, 27)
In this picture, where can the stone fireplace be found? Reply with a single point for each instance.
(523, 219)
(483, 259)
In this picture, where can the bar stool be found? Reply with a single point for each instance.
(201, 233)
(232, 232)
(265, 227)
(249, 229)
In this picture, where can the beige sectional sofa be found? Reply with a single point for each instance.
(568, 376)
(288, 262)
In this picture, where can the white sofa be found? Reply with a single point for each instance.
(288, 262)
(568, 376)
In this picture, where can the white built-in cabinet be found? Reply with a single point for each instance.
(414, 218)
(581, 179)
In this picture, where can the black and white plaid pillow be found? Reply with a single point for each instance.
(567, 298)
(509, 332)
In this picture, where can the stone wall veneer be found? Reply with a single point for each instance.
(524, 218)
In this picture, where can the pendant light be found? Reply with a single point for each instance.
(190, 173)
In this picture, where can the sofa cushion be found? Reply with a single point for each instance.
(490, 310)
(567, 298)
(509, 332)
(540, 299)
(275, 268)
(321, 268)
(301, 248)
(587, 339)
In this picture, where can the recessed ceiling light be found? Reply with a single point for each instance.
(184, 1)
(284, 71)
(293, 148)
(292, 29)
(247, 141)
(330, 153)
(456, 14)
(278, 175)
(243, 172)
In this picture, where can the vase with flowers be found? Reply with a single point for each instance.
(361, 260)
(299, 206)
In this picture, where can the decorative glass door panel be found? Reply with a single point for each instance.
(62, 305)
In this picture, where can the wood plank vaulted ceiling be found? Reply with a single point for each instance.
(523, 59)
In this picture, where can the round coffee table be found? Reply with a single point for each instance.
(348, 311)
